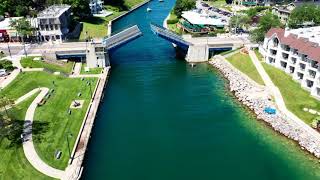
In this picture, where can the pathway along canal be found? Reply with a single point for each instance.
(163, 120)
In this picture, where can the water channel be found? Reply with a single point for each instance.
(163, 120)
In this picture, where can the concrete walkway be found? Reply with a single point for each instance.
(28, 146)
(278, 97)
(77, 68)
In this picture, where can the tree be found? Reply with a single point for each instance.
(228, 1)
(266, 22)
(23, 27)
(5, 103)
(183, 5)
(80, 8)
(304, 13)
(239, 21)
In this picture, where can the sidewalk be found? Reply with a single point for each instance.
(278, 97)
(28, 146)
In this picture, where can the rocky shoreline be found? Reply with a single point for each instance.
(257, 98)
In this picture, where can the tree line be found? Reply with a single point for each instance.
(32, 7)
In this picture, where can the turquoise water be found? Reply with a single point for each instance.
(162, 120)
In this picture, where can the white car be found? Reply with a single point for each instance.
(3, 72)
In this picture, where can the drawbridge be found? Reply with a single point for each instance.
(170, 36)
(78, 49)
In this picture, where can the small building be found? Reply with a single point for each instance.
(97, 55)
(53, 22)
(195, 22)
(283, 12)
(8, 33)
(96, 6)
(297, 52)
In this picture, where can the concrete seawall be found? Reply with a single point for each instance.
(257, 98)
(74, 170)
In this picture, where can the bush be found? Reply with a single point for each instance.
(183, 5)
(172, 21)
(5, 64)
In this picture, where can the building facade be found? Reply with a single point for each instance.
(297, 52)
(283, 12)
(53, 22)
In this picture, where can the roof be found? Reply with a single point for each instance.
(5, 24)
(302, 44)
(201, 19)
(54, 11)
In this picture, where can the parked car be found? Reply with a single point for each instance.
(3, 72)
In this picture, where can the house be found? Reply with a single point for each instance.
(53, 22)
(283, 12)
(297, 52)
(96, 6)
(8, 33)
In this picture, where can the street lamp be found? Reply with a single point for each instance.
(89, 83)
(69, 134)
(9, 49)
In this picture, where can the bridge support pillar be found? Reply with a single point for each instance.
(198, 53)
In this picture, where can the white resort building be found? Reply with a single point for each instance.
(297, 52)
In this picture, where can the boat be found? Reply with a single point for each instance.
(149, 9)
(161, 0)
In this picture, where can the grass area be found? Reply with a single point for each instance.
(259, 55)
(52, 121)
(29, 62)
(131, 3)
(294, 96)
(228, 52)
(245, 65)
(14, 164)
(217, 3)
(172, 22)
(97, 27)
(91, 70)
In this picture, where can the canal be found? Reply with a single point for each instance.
(163, 120)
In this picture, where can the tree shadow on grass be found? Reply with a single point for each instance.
(94, 20)
(15, 128)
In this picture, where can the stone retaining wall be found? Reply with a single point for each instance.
(257, 100)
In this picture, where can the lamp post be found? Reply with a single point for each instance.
(69, 134)
(89, 83)
(9, 49)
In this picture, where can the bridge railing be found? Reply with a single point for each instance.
(122, 37)
(161, 30)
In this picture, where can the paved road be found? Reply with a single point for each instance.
(278, 97)
(28, 146)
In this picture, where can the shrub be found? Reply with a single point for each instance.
(5, 64)
(172, 21)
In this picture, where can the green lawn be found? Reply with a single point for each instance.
(91, 70)
(294, 96)
(245, 65)
(173, 26)
(97, 27)
(217, 3)
(228, 52)
(260, 57)
(52, 121)
(29, 62)
(13, 164)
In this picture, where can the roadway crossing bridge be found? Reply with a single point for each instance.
(199, 48)
(95, 53)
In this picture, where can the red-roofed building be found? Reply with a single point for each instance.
(297, 52)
